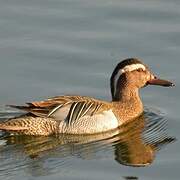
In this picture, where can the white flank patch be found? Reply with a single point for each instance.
(127, 68)
(110, 118)
(104, 121)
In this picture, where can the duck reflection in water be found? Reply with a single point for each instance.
(134, 144)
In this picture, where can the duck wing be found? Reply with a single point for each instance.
(68, 108)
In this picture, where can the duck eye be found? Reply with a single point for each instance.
(140, 70)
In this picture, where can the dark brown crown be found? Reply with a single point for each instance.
(120, 66)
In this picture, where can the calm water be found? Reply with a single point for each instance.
(54, 47)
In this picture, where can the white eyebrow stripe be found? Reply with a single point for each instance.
(132, 67)
(127, 68)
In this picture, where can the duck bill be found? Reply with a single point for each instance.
(160, 82)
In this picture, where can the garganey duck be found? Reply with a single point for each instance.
(86, 115)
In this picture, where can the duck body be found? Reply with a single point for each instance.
(86, 115)
(70, 115)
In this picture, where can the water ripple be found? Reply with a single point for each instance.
(133, 144)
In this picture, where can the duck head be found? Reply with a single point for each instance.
(130, 75)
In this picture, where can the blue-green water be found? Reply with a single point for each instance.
(54, 47)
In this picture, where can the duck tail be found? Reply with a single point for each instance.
(29, 125)
(12, 128)
(24, 108)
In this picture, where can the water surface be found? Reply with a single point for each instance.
(52, 47)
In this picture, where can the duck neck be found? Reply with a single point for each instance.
(126, 93)
(128, 103)
(125, 98)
